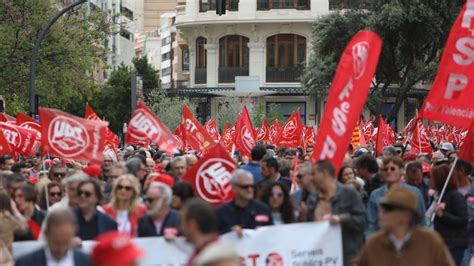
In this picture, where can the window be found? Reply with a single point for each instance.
(201, 53)
(126, 12)
(166, 56)
(166, 41)
(286, 57)
(185, 60)
(234, 51)
(125, 34)
(283, 4)
(166, 71)
(206, 5)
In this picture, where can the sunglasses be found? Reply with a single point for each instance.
(87, 194)
(391, 208)
(252, 186)
(389, 169)
(59, 174)
(55, 194)
(299, 176)
(126, 188)
(277, 195)
(149, 200)
(399, 151)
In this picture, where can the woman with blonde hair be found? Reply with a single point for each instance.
(124, 206)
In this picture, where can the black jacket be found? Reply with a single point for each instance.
(255, 214)
(452, 225)
(105, 223)
(146, 226)
(38, 218)
(348, 204)
(38, 258)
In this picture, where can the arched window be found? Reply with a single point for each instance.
(200, 72)
(233, 58)
(286, 57)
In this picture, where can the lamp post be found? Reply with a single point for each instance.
(34, 56)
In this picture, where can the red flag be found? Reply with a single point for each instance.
(71, 137)
(112, 139)
(25, 121)
(292, 132)
(22, 140)
(7, 118)
(211, 127)
(4, 144)
(419, 141)
(467, 149)
(382, 139)
(227, 139)
(450, 98)
(347, 97)
(210, 176)
(244, 134)
(309, 136)
(145, 127)
(275, 128)
(263, 134)
(196, 135)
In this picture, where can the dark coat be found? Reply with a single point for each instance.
(38, 258)
(38, 217)
(147, 228)
(452, 225)
(255, 214)
(105, 223)
(348, 204)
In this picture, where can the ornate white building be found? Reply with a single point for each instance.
(258, 49)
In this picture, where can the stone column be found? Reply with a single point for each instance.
(257, 60)
(212, 64)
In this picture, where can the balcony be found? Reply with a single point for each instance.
(283, 4)
(228, 74)
(206, 5)
(283, 74)
(349, 4)
(200, 75)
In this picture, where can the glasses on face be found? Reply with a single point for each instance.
(108, 161)
(277, 195)
(391, 208)
(149, 200)
(299, 176)
(59, 174)
(55, 194)
(246, 187)
(84, 193)
(126, 188)
(389, 169)
(399, 151)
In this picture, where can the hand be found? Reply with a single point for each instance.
(439, 209)
(76, 242)
(335, 219)
(238, 230)
(170, 237)
(14, 207)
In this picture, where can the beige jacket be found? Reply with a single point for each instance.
(9, 225)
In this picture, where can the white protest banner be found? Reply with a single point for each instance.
(283, 245)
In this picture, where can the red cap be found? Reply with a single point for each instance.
(426, 168)
(33, 180)
(163, 178)
(93, 170)
(114, 248)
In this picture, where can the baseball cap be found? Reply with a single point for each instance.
(447, 147)
(114, 248)
(93, 170)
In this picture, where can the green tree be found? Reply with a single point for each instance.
(228, 110)
(149, 75)
(263, 111)
(413, 33)
(68, 55)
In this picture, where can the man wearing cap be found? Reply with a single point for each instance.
(115, 249)
(446, 147)
(60, 228)
(400, 241)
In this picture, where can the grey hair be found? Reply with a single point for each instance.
(178, 159)
(133, 165)
(165, 189)
(306, 168)
(239, 173)
(74, 178)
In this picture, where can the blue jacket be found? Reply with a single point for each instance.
(255, 169)
(374, 203)
(255, 214)
(38, 258)
(146, 226)
(105, 223)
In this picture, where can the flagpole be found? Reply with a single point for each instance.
(444, 187)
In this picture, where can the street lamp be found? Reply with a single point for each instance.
(34, 56)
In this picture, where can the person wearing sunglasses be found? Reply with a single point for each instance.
(161, 219)
(53, 192)
(277, 197)
(244, 211)
(57, 172)
(91, 222)
(392, 171)
(400, 240)
(125, 205)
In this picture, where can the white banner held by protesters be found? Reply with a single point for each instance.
(284, 245)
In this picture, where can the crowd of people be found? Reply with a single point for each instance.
(388, 206)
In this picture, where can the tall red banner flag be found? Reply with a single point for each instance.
(450, 98)
(25, 121)
(71, 137)
(112, 140)
(244, 134)
(22, 140)
(467, 149)
(275, 128)
(195, 134)
(291, 136)
(347, 97)
(145, 127)
(211, 127)
(4, 144)
(263, 134)
(210, 176)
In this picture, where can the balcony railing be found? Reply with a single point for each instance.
(283, 4)
(349, 4)
(228, 74)
(206, 5)
(283, 74)
(200, 75)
